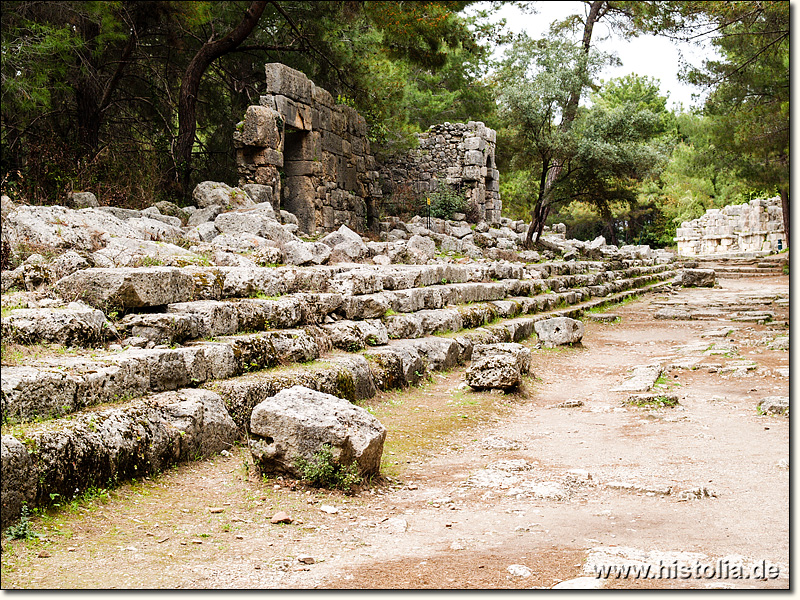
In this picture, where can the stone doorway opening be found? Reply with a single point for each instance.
(297, 190)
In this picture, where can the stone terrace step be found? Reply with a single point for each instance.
(145, 435)
(131, 288)
(62, 385)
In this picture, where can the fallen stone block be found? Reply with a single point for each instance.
(774, 405)
(696, 278)
(498, 366)
(297, 422)
(559, 331)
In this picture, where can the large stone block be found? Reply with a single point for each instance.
(285, 81)
(498, 366)
(127, 287)
(297, 422)
(559, 331)
(262, 127)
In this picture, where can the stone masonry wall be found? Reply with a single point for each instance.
(308, 155)
(459, 154)
(756, 227)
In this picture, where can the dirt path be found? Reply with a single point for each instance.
(478, 482)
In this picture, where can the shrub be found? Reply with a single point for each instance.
(322, 471)
(446, 201)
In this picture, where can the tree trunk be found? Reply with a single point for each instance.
(785, 209)
(190, 84)
(597, 10)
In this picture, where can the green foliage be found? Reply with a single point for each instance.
(445, 201)
(322, 471)
(22, 530)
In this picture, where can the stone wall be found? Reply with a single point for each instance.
(461, 155)
(756, 227)
(308, 155)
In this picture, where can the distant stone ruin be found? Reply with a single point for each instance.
(753, 228)
(457, 154)
(307, 155)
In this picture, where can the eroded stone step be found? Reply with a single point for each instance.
(132, 288)
(62, 385)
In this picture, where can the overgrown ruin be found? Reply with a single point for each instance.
(311, 157)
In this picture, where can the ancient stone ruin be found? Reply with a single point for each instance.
(311, 155)
(307, 155)
(756, 227)
(456, 154)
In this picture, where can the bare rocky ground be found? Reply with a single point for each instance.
(485, 490)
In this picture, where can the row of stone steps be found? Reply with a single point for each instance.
(65, 384)
(187, 321)
(737, 268)
(142, 436)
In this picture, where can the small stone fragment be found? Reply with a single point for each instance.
(280, 517)
(519, 570)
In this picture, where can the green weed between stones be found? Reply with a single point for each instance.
(322, 471)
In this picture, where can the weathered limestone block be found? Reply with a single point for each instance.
(304, 253)
(285, 81)
(217, 318)
(355, 335)
(69, 456)
(261, 314)
(66, 264)
(126, 252)
(368, 306)
(440, 321)
(696, 277)
(420, 249)
(498, 366)
(559, 331)
(19, 479)
(262, 127)
(297, 422)
(78, 200)
(127, 287)
(215, 193)
(74, 325)
(395, 366)
(59, 227)
(204, 215)
(270, 348)
(161, 328)
(439, 353)
(347, 242)
(404, 326)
